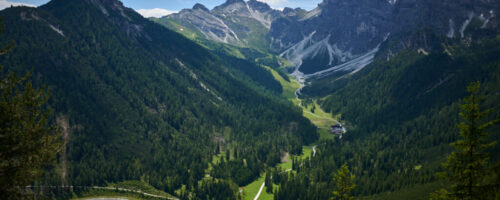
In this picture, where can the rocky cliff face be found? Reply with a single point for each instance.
(445, 17)
(211, 26)
(340, 31)
(234, 22)
(335, 32)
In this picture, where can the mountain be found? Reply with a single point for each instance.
(335, 32)
(329, 39)
(238, 22)
(401, 115)
(140, 102)
(339, 37)
(196, 110)
(400, 103)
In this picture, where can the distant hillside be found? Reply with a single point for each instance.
(142, 102)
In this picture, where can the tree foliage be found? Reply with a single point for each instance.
(27, 141)
(149, 104)
(468, 168)
(401, 116)
(268, 182)
(344, 184)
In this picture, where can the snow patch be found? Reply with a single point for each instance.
(451, 32)
(465, 24)
(57, 30)
(392, 1)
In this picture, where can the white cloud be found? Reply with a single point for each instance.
(155, 12)
(276, 3)
(304, 4)
(5, 4)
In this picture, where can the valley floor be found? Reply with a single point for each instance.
(317, 116)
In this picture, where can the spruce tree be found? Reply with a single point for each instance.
(268, 182)
(344, 184)
(27, 142)
(468, 167)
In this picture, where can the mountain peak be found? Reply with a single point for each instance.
(201, 7)
(260, 6)
(234, 1)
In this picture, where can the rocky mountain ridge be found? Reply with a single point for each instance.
(339, 31)
(234, 22)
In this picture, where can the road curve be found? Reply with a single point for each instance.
(111, 188)
(260, 191)
(314, 150)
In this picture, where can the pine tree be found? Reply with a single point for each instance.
(27, 142)
(343, 184)
(468, 167)
(268, 182)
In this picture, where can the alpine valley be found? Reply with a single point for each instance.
(243, 101)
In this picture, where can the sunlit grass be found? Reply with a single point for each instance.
(252, 189)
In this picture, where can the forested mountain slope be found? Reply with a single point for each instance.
(140, 102)
(401, 116)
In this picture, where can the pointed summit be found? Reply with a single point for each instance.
(260, 6)
(200, 7)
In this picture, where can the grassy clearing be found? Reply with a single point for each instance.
(215, 159)
(306, 152)
(266, 196)
(252, 189)
(324, 133)
(285, 165)
(289, 87)
(320, 118)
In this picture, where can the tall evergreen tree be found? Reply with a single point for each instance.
(268, 182)
(344, 184)
(468, 167)
(27, 142)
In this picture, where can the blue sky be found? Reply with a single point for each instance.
(162, 7)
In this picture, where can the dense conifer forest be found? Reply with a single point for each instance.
(128, 106)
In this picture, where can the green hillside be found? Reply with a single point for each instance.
(145, 103)
(401, 116)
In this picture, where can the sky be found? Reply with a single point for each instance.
(158, 8)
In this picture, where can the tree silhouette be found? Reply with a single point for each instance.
(27, 142)
(468, 167)
(343, 184)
